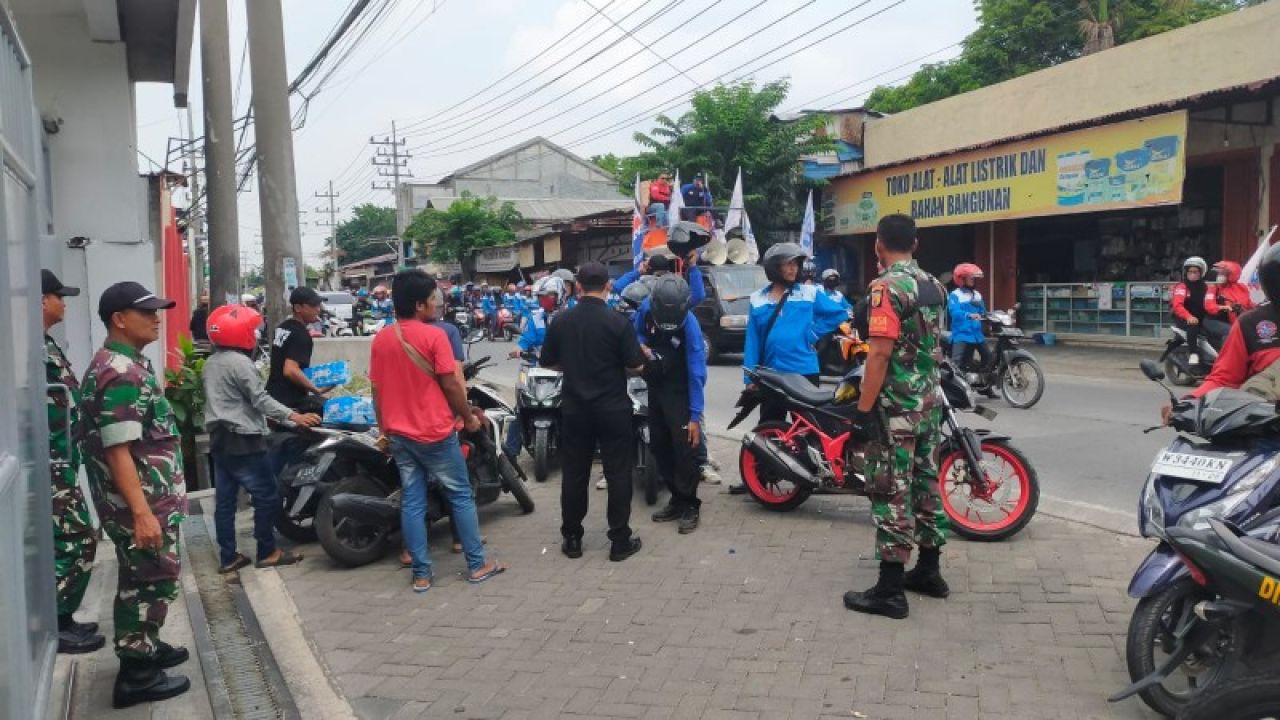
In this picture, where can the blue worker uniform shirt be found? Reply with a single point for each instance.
(961, 303)
(535, 330)
(808, 315)
(838, 297)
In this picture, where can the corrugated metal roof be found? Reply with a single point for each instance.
(1236, 50)
(542, 210)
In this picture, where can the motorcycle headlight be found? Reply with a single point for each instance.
(1151, 520)
(545, 389)
(1198, 519)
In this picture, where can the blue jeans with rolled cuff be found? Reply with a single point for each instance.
(443, 461)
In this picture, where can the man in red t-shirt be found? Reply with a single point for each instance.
(417, 394)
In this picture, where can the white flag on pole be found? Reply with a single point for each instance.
(677, 203)
(1250, 273)
(806, 227)
(737, 218)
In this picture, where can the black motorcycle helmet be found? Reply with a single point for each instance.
(669, 302)
(636, 292)
(808, 270)
(778, 255)
(1269, 274)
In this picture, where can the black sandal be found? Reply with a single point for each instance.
(240, 562)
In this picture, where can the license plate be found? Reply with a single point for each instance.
(1201, 468)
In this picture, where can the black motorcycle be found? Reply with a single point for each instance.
(1177, 356)
(1231, 624)
(539, 392)
(645, 475)
(1012, 371)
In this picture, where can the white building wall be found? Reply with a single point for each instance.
(95, 187)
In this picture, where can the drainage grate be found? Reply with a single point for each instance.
(254, 686)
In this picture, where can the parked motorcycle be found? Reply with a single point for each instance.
(645, 474)
(1224, 464)
(839, 351)
(334, 326)
(1011, 371)
(989, 490)
(539, 392)
(1177, 356)
(1230, 623)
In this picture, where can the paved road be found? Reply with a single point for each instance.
(1085, 437)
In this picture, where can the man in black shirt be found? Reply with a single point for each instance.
(595, 348)
(199, 318)
(291, 354)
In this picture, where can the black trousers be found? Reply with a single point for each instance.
(770, 411)
(579, 436)
(678, 462)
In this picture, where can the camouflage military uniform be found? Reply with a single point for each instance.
(123, 403)
(902, 476)
(75, 543)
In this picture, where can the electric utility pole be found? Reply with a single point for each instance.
(219, 156)
(332, 224)
(392, 160)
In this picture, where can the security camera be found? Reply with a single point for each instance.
(78, 242)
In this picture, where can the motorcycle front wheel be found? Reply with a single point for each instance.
(514, 483)
(1151, 639)
(351, 543)
(997, 511)
(774, 493)
(541, 454)
(299, 530)
(1022, 383)
(646, 473)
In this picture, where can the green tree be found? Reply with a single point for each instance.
(470, 223)
(367, 222)
(730, 127)
(1016, 37)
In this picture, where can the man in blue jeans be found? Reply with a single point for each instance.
(418, 396)
(237, 406)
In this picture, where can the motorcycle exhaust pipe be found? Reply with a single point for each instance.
(366, 508)
(778, 460)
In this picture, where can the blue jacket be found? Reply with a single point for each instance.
(808, 315)
(838, 297)
(697, 290)
(961, 303)
(535, 330)
(487, 304)
(695, 354)
(695, 198)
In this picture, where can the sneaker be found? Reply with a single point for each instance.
(689, 521)
(709, 475)
(602, 483)
(622, 551)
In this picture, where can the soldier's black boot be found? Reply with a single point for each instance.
(926, 577)
(885, 597)
(141, 681)
(168, 656)
(78, 638)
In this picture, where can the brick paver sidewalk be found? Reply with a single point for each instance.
(742, 619)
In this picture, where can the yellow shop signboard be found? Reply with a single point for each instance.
(1130, 164)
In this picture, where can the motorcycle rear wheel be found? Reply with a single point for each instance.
(353, 544)
(1153, 624)
(1022, 383)
(971, 525)
(541, 454)
(767, 490)
(646, 474)
(1256, 697)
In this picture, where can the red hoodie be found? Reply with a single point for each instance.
(1251, 346)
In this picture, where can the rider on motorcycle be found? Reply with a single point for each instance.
(831, 286)
(1187, 302)
(1225, 301)
(966, 308)
(381, 304)
(551, 294)
(1253, 343)
(566, 275)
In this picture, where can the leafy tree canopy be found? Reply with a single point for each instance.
(469, 224)
(367, 222)
(1016, 37)
(729, 127)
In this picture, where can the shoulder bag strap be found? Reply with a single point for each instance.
(773, 319)
(423, 364)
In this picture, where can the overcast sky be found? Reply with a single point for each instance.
(590, 92)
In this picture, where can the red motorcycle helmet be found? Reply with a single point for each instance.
(234, 326)
(964, 271)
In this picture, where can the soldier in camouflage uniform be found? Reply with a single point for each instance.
(75, 542)
(134, 462)
(900, 390)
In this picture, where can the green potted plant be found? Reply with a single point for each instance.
(184, 388)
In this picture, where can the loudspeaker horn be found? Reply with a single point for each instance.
(736, 251)
(717, 251)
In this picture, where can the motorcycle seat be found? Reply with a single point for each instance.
(1270, 550)
(798, 387)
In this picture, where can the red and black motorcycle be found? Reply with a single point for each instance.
(989, 490)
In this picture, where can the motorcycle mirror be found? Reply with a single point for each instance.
(1151, 370)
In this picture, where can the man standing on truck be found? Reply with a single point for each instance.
(697, 198)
